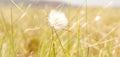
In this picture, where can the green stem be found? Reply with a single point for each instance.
(61, 45)
(68, 35)
(8, 35)
(86, 16)
(53, 43)
(11, 39)
(78, 38)
(50, 48)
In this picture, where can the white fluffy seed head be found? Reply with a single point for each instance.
(57, 20)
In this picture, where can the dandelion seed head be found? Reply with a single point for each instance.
(57, 19)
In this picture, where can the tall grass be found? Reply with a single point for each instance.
(12, 50)
(98, 39)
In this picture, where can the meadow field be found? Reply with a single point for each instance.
(91, 32)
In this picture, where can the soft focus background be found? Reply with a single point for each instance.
(93, 29)
(111, 3)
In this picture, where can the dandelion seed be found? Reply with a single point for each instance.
(97, 18)
(57, 20)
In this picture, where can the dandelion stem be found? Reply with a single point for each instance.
(53, 43)
(61, 44)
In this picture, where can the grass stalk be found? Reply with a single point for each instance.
(61, 44)
(53, 43)
(8, 35)
(78, 40)
(86, 17)
(4, 26)
(11, 39)
(50, 48)
(68, 34)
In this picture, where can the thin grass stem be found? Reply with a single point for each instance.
(86, 17)
(11, 39)
(53, 43)
(61, 44)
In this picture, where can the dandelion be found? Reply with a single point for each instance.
(57, 20)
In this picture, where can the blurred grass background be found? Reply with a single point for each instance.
(28, 33)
